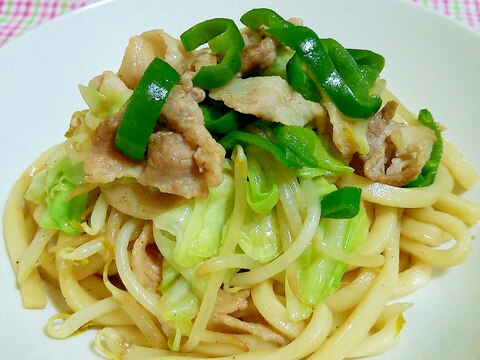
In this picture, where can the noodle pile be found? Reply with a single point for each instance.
(109, 273)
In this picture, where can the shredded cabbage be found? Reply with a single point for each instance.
(197, 225)
(178, 304)
(258, 238)
(108, 98)
(54, 185)
(166, 247)
(262, 190)
(319, 275)
(296, 308)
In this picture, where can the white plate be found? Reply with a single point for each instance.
(431, 62)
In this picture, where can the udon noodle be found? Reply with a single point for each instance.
(117, 272)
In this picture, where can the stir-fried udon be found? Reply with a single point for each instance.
(240, 194)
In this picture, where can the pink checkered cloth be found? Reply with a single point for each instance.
(18, 16)
(466, 11)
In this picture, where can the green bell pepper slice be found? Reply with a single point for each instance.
(293, 146)
(370, 63)
(257, 18)
(218, 122)
(343, 203)
(225, 40)
(247, 139)
(144, 107)
(299, 80)
(299, 141)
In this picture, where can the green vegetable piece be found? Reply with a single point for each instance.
(218, 123)
(144, 107)
(196, 225)
(293, 146)
(259, 237)
(110, 96)
(324, 152)
(166, 243)
(319, 275)
(257, 18)
(279, 67)
(300, 141)
(309, 148)
(54, 186)
(225, 40)
(177, 303)
(63, 213)
(343, 203)
(262, 189)
(430, 169)
(293, 69)
(297, 309)
(246, 139)
(370, 63)
(300, 81)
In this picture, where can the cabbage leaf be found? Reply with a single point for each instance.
(262, 190)
(259, 237)
(53, 185)
(177, 303)
(108, 98)
(196, 225)
(319, 275)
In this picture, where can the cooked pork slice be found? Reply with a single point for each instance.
(269, 98)
(183, 115)
(199, 58)
(171, 167)
(258, 56)
(398, 151)
(225, 322)
(104, 162)
(196, 93)
(142, 49)
(228, 303)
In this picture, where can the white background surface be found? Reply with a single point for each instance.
(431, 62)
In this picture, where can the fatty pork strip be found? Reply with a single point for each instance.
(223, 319)
(260, 51)
(269, 98)
(398, 151)
(258, 56)
(182, 157)
(143, 48)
